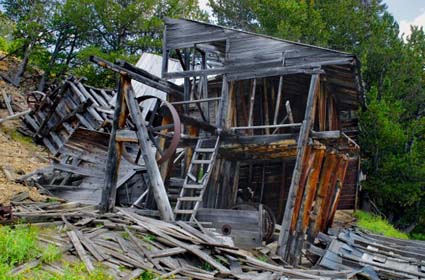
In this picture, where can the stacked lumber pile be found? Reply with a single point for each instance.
(56, 115)
(125, 239)
(376, 256)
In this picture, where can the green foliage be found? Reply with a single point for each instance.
(148, 275)
(262, 258)
(6, 30)
(149, 237)
(206, 266)
(61, 35)
(125, 235)
(98, 76)
(17, 245)
(77, 271)
(292, 20)
(50, 254)
(378, 225)
(417, 236)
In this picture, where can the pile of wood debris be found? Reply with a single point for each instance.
(379, 257)
(137, 243)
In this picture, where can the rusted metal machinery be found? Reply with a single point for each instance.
(5, 214)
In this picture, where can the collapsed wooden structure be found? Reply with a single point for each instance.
(257, 120)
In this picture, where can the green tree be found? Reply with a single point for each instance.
(59, 35)
(30, 17)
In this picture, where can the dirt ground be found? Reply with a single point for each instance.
(18, 158)
(18, 154)
(343, 219)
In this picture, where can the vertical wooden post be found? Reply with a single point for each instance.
(193, 131)
(296, 175)
(165, 52)
(322, 108)
(282, 190)
(340, 176)
(251, 104)
(223, 107)
(311, 185)
(328, 169)
(266, 106)
(115, 149)
(158, 188)
(167, 165)
(204, 84)
(186, 80)
(235, 183)
(231, 107)
(279, 93)
(307, 199)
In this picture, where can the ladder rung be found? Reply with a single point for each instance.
(193, 186)
(178, 211)
(190, 198)
(205, 150)
(201, 161)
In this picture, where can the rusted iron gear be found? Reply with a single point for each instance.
(5, 213)
(269, 220)
(34, 98)
(176, 128)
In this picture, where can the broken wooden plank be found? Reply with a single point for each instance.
(15, 116)
(73, 236)
(168, 252)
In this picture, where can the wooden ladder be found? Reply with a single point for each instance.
(197, 178)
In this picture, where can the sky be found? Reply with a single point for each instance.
(406, 12)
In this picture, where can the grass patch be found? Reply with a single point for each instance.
(17, 245)
(206, 266)
(125, 235)
(18, 137)
(148, 275)
(149, 237)
(50, 254)
(378, 225)
(78, 272)
(262, 258)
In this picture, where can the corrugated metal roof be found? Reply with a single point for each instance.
(152, 63)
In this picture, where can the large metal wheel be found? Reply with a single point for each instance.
(164, 128)
(34, 98)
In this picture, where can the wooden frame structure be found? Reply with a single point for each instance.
(264, 121)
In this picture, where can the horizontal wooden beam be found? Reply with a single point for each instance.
(256, 139)
(282, 149)
(187, 120)
(250, 70)
(196, 101)
(265, 126)
(141, 76)
(333, 134)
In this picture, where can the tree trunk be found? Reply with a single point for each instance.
(59, 43)
(23, 64)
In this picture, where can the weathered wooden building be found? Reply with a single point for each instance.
(285, 114)
(258, 121)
